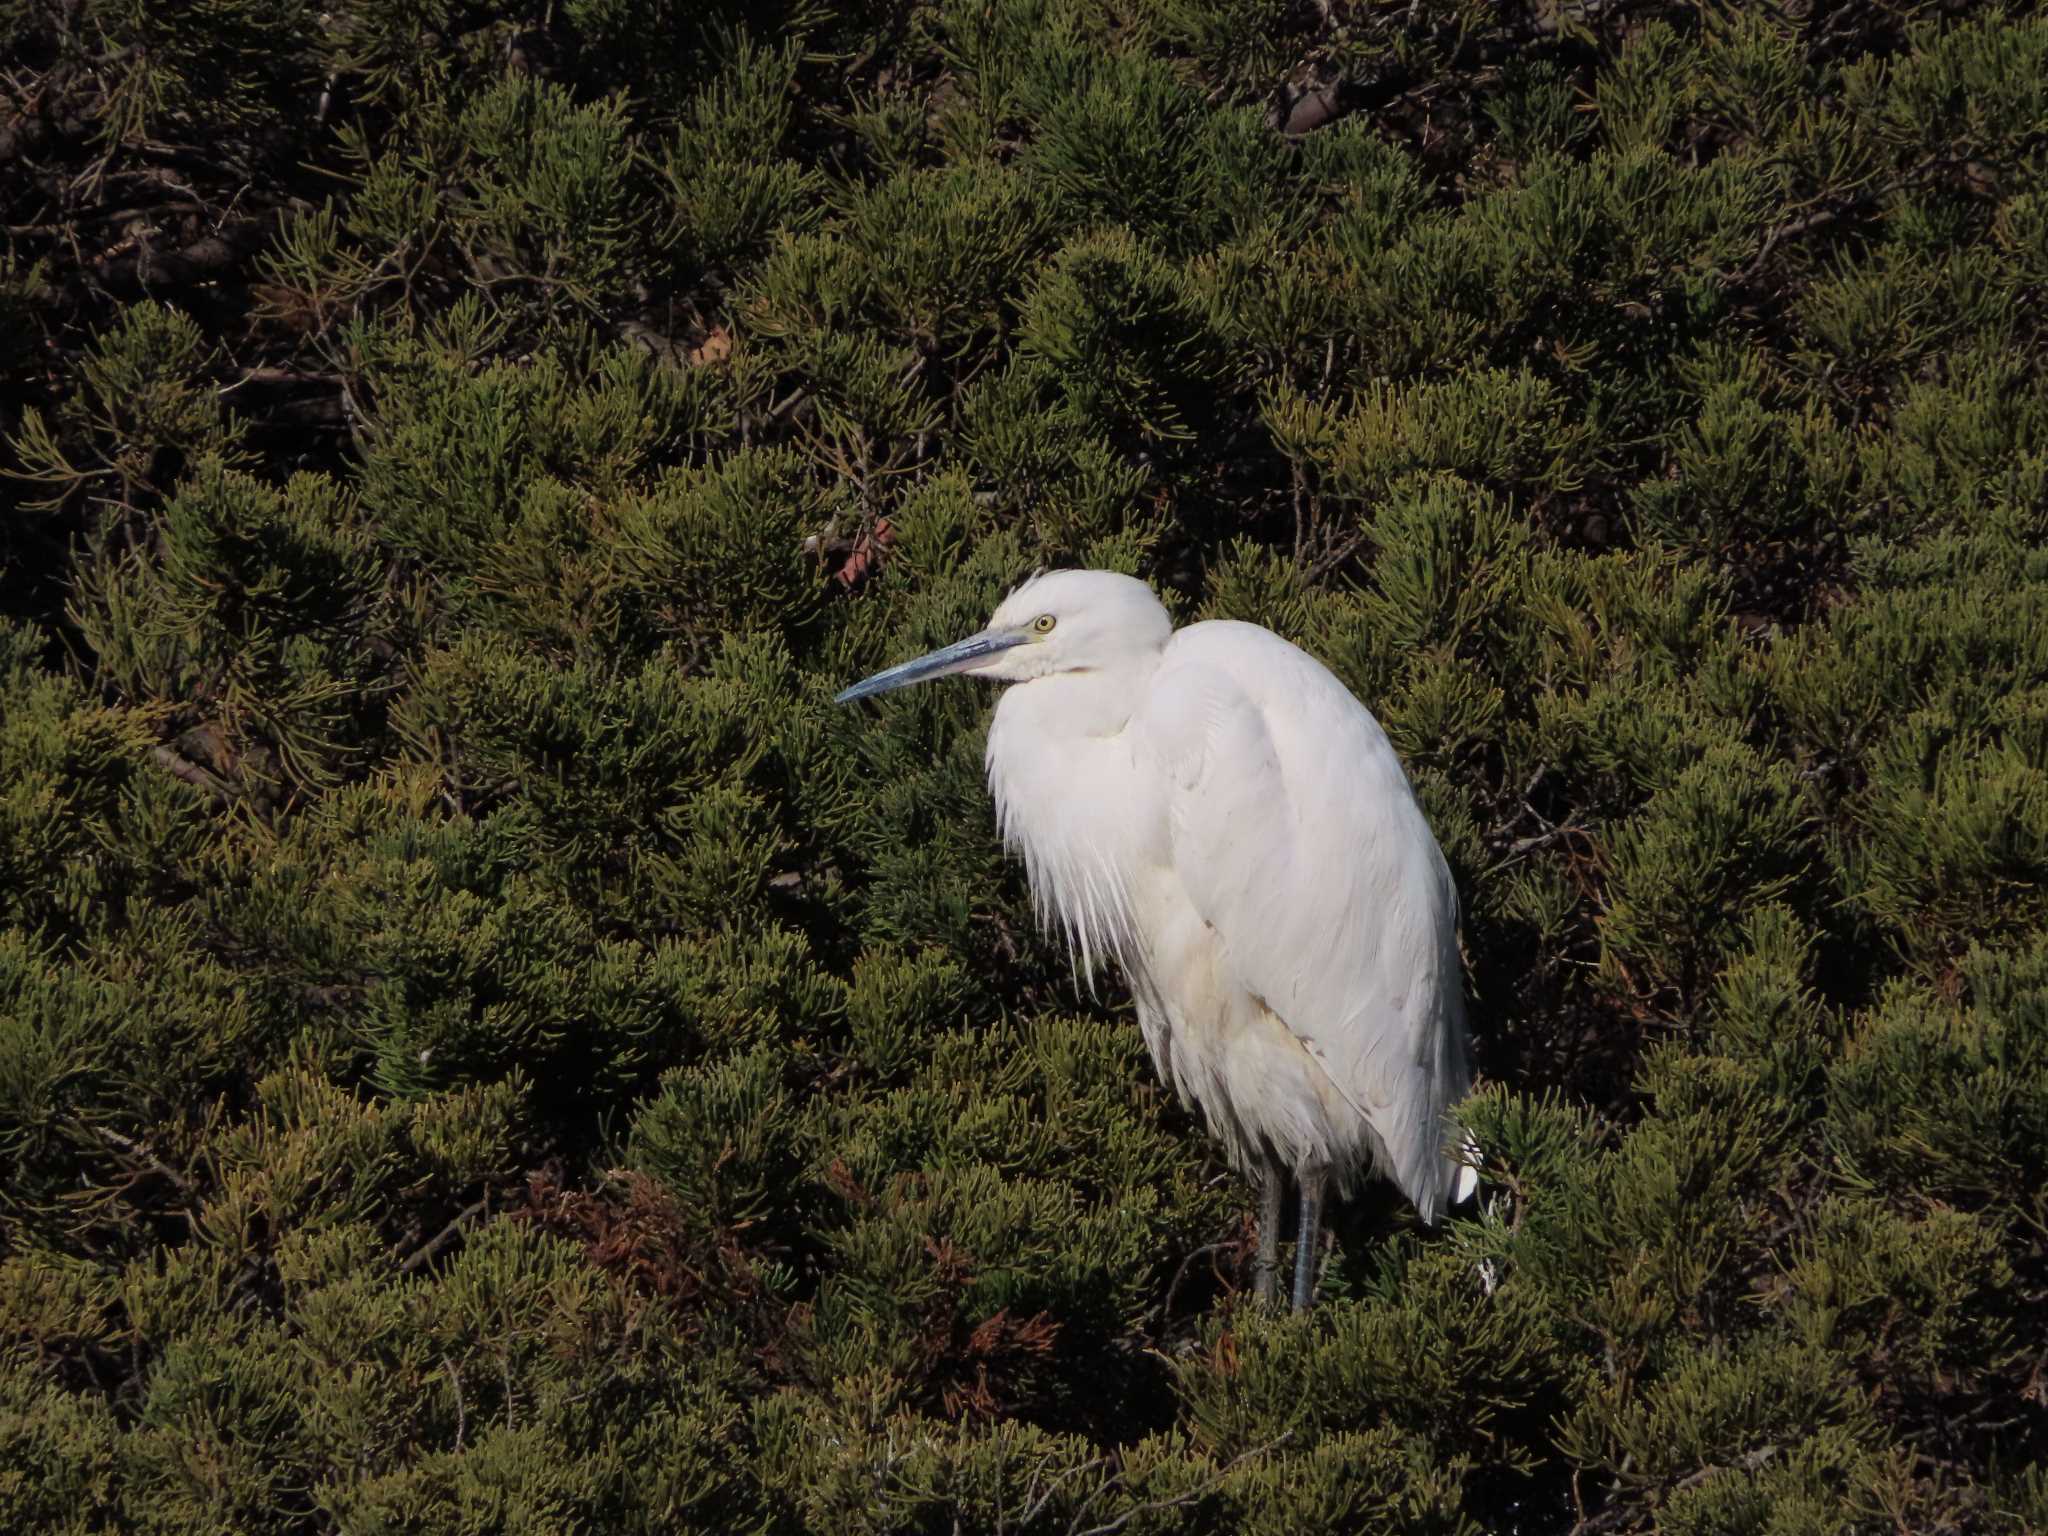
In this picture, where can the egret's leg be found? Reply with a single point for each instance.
(1266, 1268)
(1309, 1248)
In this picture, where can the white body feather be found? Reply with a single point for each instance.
(1215, 811)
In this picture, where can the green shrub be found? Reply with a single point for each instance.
(486, 1045)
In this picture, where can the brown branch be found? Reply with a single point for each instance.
(136, 1152)
(182, 767)
(1792, 229)
(324, 412)
(1842, 205)
(127, 213)
(1396, 77)
(1338, 552)
(667, 348)
(1544, 839)
(1180, 1274)
(1181, 1500)
(429, 1250)
(145, 270)
(26, 135)
(1036, 1506)
(1623, 1509)
(261, 376)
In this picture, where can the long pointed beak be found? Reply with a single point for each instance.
(957, 657)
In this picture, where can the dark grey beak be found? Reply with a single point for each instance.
(957, 657)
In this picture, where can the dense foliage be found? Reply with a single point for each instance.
(485, 1045)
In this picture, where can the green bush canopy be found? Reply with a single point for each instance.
(485, 1045)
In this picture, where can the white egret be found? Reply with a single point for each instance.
(1213, 810)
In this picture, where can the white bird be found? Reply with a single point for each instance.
(1214, 811)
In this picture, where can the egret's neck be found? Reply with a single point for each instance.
(1070, 801)
(1094, 702)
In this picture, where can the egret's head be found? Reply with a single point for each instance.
(1062, 621)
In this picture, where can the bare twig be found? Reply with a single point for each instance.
(1834, 209)
(1180, 1274)
(1037, 1506)
(429, 1250)
(277, 376)
(461, 1414)
(1335, 556)
(1544, 839)
(1396, 77)
(145, 270)
(1182, 1500)
(183, 767)
(135, 1150)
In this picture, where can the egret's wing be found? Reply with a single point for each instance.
(1296, 836)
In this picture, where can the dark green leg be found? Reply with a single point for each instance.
(1266, 1268)
(1308, 1248)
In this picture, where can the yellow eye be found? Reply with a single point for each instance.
(1042, 625)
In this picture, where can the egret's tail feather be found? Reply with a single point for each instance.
(1465, 1182)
